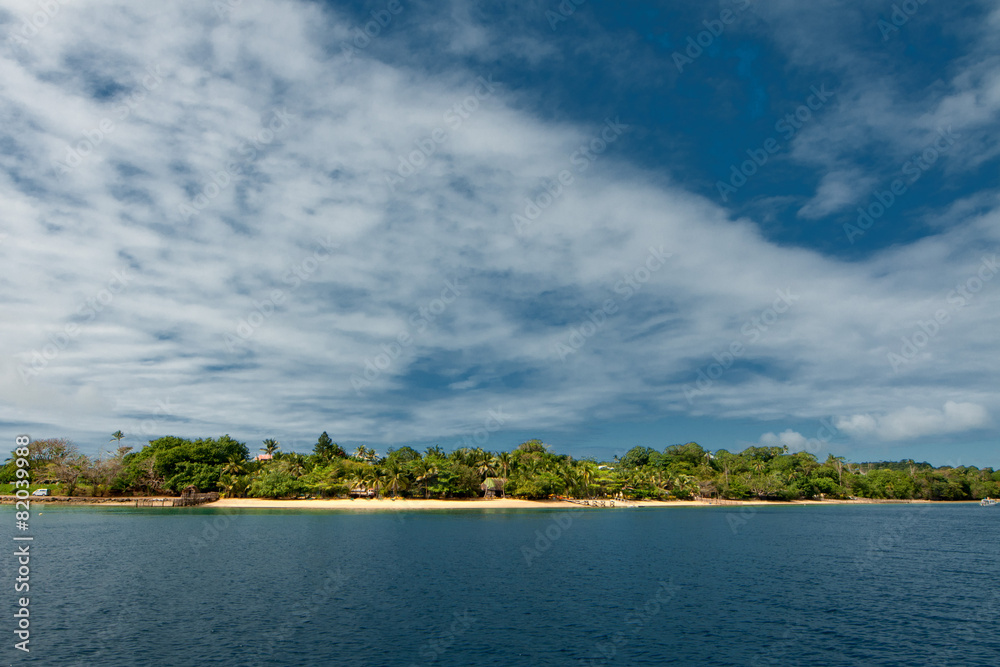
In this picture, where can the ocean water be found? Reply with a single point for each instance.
(836, 585)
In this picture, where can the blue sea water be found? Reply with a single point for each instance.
(777, 585)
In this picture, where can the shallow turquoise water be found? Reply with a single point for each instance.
(837, 585)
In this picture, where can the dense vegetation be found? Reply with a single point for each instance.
(531, 470)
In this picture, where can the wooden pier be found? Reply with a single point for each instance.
(186, 500)
(154, 502)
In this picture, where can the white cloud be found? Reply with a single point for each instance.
(837, 190)
(324, 177)
(911, 422)
(794, 440)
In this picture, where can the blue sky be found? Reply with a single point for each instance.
(735, 223)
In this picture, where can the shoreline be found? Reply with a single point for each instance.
(386, 504)
(410, 504)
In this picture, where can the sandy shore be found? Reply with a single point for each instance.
(387, 504)
(483, 504)
(400, 504)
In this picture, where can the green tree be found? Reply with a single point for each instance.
(234, 467)
(638, 457)
(534, 445)
(327, 449)
(271, 447)
(181, 462)
(395, 477)
(425, 472)
(363, 453)
(275, 483)
(486, 466)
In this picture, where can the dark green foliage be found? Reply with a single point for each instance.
(638, 457)
(327, 449)
(531, 470)
(403, 455)
(275, 483)
(176, 463)
(201, 475)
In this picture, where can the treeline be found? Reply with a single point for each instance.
(171, 464)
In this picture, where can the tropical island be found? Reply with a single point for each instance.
(171, 466)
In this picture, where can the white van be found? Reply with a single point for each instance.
(40, 492)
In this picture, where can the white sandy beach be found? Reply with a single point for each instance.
(480, 504)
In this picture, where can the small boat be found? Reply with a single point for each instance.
(985, 502)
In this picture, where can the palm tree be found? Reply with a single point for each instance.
(374, 480)
(233, 468)
(425, 472)
(574, 481)
(587, 472)
(363, 453)
(395, 477)
(838, 463)
(294, 465)
(486, 466)
(227, 484)
(686, 484)
(117, 435)
(358, 480)
(504, 462)
(463, 456)
(660, 482)
(270, 446)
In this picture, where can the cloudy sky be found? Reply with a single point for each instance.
(409, 222)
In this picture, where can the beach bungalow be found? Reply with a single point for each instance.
(263, 457)
(362, 492)
(493, 485)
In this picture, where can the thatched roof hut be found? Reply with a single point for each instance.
(493, 485)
